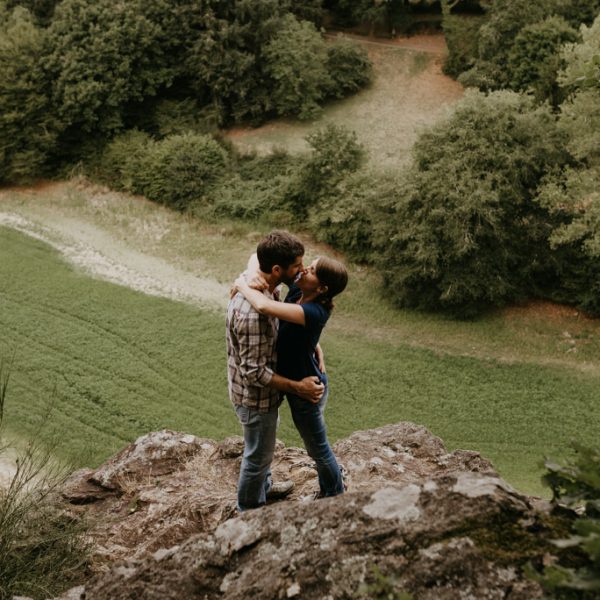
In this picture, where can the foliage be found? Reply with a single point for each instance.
(577, 485)
(571, 193)
(123, 159)
(296, 61)
(336, 153)
(466, 233)
(180, 168)
(583, 60)
(504, 21)
(349, 67)
(534, 58)
(27, 127)
(42, 10)
(352, 217)
(42, 550)
(170, 116)
(392, 14)
(462, 38)
(224, 62)
(102, 56)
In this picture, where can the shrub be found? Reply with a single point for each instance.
(296, 62)
(466, 232)
(349, 68)
(577, 485)
(181, 168)
(335, 154)
(534, 59)
(122, 161)
(352, 218)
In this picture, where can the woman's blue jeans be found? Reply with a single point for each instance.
(310, 423)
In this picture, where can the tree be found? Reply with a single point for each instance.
(535, 59)
(102, 56)
(296, 62)
(27, 127)
(225, 62)
(466, 233)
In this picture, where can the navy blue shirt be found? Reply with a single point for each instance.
(296, 343)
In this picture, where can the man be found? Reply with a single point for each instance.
(254, 387)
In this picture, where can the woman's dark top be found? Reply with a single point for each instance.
(296, 343)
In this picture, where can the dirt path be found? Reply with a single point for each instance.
(98, 252)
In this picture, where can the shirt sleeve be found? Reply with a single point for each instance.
(253, 333)
(315, 316)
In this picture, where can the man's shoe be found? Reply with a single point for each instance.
(281, 489)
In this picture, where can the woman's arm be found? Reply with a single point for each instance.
(254, 276)
(282, 310)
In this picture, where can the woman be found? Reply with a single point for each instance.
(302, 317)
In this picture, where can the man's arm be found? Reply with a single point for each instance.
(309, 388)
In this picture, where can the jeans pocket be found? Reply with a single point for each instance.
(243, 413)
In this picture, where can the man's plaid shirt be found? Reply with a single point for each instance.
(251, 355)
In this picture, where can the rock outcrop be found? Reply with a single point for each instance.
(415, 518)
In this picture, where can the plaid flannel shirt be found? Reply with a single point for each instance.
(251, 355)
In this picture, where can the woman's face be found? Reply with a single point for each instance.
(309, 282)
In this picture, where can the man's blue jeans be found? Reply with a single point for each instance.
(259, 446)
(310, 423)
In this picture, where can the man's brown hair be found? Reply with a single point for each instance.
(278, 248)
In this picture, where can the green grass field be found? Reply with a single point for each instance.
(116, 364)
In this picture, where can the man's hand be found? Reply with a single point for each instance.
(310, 388)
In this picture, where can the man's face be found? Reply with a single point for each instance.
(289, 275)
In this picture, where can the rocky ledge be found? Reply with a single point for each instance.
(416, 519)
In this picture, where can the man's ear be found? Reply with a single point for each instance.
(276, 271)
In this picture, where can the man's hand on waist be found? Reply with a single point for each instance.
(310, 388)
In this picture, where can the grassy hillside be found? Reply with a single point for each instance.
(119, 363)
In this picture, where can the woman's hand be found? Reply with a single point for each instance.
(320, 358)
(257, 282)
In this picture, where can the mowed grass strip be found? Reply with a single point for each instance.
(118, 364)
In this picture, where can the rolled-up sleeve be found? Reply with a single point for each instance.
(255, 348)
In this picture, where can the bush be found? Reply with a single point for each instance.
(349, 68)
(577, 485)
(180, 168)
(352, 218)
(466, 233)
(534, 59)
(42, 550)
(335, 154)
(122, 161)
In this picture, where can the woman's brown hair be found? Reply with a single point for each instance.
(334, 275)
